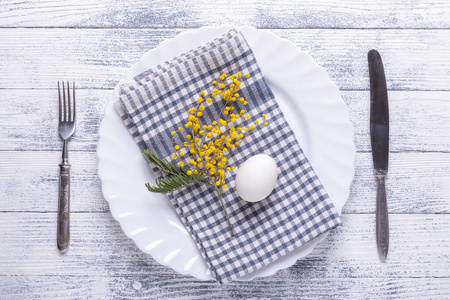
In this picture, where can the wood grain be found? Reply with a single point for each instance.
(257, 13)
(28, 120)
(151, 286)
(36, 58)
(417, 183)
(29, 181)
(98, 246)
(95, 42)
(406, 133)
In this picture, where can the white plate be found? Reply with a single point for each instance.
(312, 105)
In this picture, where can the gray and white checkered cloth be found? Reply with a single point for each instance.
(298, 210)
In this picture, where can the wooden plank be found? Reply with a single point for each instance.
(419, 248)
(103, 263)
(29, 181)
(257, 13)
(36, 58)
(417, 183)
(412, 59)
(152, 286)
(418, 121)
(28, 120)
(55, 287)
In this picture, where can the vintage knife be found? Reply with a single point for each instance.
(379, 136)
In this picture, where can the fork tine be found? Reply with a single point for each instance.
(64, 99)
(69, 111)
(59, 102)
(74, 107)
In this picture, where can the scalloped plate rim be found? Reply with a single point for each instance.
(132, 70)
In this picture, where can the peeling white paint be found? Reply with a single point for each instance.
(413, 38)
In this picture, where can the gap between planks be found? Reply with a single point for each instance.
(193, 28)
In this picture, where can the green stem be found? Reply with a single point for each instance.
(225, 210)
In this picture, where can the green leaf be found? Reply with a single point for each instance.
(173, 183)
(178, 178)
(163, 164)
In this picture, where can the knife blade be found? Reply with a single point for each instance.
(379, 137)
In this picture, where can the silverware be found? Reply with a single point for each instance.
(379, 136)
(66, 128)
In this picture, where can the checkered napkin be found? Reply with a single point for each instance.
(298, 210)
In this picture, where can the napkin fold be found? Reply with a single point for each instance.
(298, 210)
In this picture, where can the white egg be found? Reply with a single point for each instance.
(256, 178)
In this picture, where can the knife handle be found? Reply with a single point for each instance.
(382, 220)
(63, 225)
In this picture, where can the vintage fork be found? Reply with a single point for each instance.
(66, 128)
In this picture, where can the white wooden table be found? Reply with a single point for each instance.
(94, 42)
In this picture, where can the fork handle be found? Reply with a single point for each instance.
(63, 231)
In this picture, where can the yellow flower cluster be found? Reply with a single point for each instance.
(211, 146)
